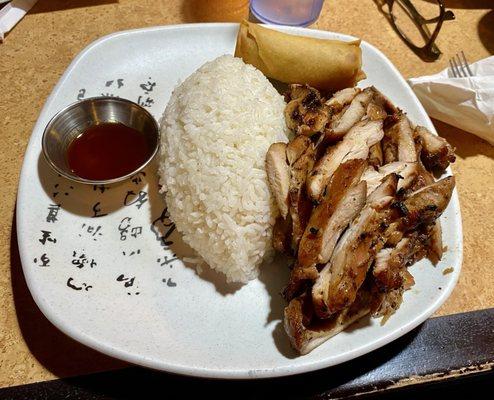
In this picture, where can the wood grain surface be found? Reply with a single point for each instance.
(37, 51)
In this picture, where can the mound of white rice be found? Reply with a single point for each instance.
(215, 132)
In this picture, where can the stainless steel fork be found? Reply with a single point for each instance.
(459, 66)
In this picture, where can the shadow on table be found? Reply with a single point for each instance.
(466, 4)
(57, 5)
(350, 377)
(486, 31)
(486, 23)
(58, 353)
(466, 143)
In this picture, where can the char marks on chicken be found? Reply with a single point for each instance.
(355, 145)
(358, 206)
(436, 151)
(305, 113)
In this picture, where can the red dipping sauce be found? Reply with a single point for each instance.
(107, 151)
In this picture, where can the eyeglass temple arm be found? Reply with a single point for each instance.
(417, 19)
(444, 15)
(420, 22)
(413, 11)
(448, 16)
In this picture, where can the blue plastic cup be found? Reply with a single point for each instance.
(286, 12)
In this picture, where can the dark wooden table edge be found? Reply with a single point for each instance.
(440, 353)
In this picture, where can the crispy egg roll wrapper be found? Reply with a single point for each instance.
(327, 65)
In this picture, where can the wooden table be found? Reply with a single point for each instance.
(37, 51)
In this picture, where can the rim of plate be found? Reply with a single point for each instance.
(217, 373)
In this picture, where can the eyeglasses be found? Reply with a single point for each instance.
(411, 20)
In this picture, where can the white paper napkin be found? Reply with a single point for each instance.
(12, 13)
(467, 103)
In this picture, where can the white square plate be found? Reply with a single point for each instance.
(116, 282)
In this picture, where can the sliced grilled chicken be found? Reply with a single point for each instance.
(393, 233)
(385, 304)
(391, 276)
(390, 150)
(407, 173)
(375, 111)
(282, 236)
(354, 145)
(341, 98)
(376, 156)
(339, 280)
(381, 108)
(365, 132)
(301, 276)
(319, 245)
(300, 210)
(425, 205)
(307, 332)
(382, 101)
(343, 200)
(401, 135)
(339, 127)
(422, 179)
(383, 268)
(300, 205)
(322, 145)
(305, 113)
(298, 92)
(436, 151)
(296, 148)
(372, 177)
(436, 249)
(391, 264)
(341, 220)
(278, 175)
(326, 223)
(420, 210)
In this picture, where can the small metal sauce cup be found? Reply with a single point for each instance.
(74, 119)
